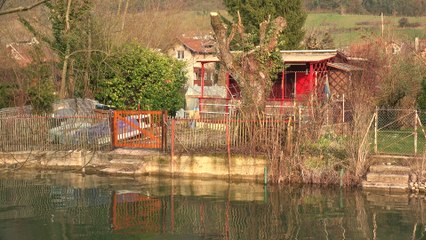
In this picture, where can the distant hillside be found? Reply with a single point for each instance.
(346, 29)
(157, 23)
(204, 5)
(387, 7)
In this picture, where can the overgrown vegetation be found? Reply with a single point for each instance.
(255, 12)
(138, 76)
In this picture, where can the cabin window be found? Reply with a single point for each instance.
(180, 54)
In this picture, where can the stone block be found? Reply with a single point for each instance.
(387, 178)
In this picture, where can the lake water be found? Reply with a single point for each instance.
(72, 206)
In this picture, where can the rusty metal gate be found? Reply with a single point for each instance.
(139, 129)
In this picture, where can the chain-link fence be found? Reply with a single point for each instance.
(399, 131)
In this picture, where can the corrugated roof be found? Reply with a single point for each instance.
(299, 56)
(344, 67)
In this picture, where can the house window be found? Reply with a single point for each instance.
(180, 54)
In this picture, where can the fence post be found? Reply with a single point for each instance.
(299, 127)
(164, 131)
(376, 126)
(173, 146)
(415, 132)
(115, 130)
(228, 144)
(343, 108)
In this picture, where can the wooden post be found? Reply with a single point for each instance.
(300, 121)
(416, 44)
(383, 24)
(228, 93)
(376, 125)
(343, 108)
(415, 132)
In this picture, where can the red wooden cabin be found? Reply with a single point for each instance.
(305, 72)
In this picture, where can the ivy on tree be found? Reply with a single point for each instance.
(255, 12)
(140, 76)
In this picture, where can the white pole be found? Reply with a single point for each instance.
(415, 132)
(376, 126)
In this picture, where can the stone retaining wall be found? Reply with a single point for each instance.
(130, 162)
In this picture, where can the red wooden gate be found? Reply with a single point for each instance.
(139, 129)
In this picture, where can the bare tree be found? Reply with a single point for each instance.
(252, 68)
(67, 52)
(2, 2)
(20, 8)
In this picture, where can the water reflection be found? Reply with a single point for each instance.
(69, 206)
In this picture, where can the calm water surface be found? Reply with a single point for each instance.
(72, 206)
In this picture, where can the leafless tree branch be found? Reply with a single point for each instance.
(2, 2)
(20, 9)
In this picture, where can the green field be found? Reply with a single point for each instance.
(347, 29)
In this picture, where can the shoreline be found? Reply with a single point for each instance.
(129, 162)
(135, 163)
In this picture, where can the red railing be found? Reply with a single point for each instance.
(139, 129)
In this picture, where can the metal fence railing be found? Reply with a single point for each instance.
(224, 133)
(31, 133)
(392, 131)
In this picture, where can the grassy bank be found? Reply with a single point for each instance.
(347, 29)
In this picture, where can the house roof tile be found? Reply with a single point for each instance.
(203, 45)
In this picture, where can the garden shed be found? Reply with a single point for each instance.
(305, 74)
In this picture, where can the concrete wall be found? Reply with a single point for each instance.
(208, 166)
(51, 159)
(140, 163)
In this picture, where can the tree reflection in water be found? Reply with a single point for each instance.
(72, 206)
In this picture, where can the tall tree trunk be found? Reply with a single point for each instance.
(124, 15)
(250, 69)
(86, 90)
(62, 91)
(120, 2)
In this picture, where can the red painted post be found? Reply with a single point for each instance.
(164, 131)
(228, 206)
(115, 129)
(228, 94)
(228, 144)
(173, 146)
(172, 207)
(311, 76)
(202, 85)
